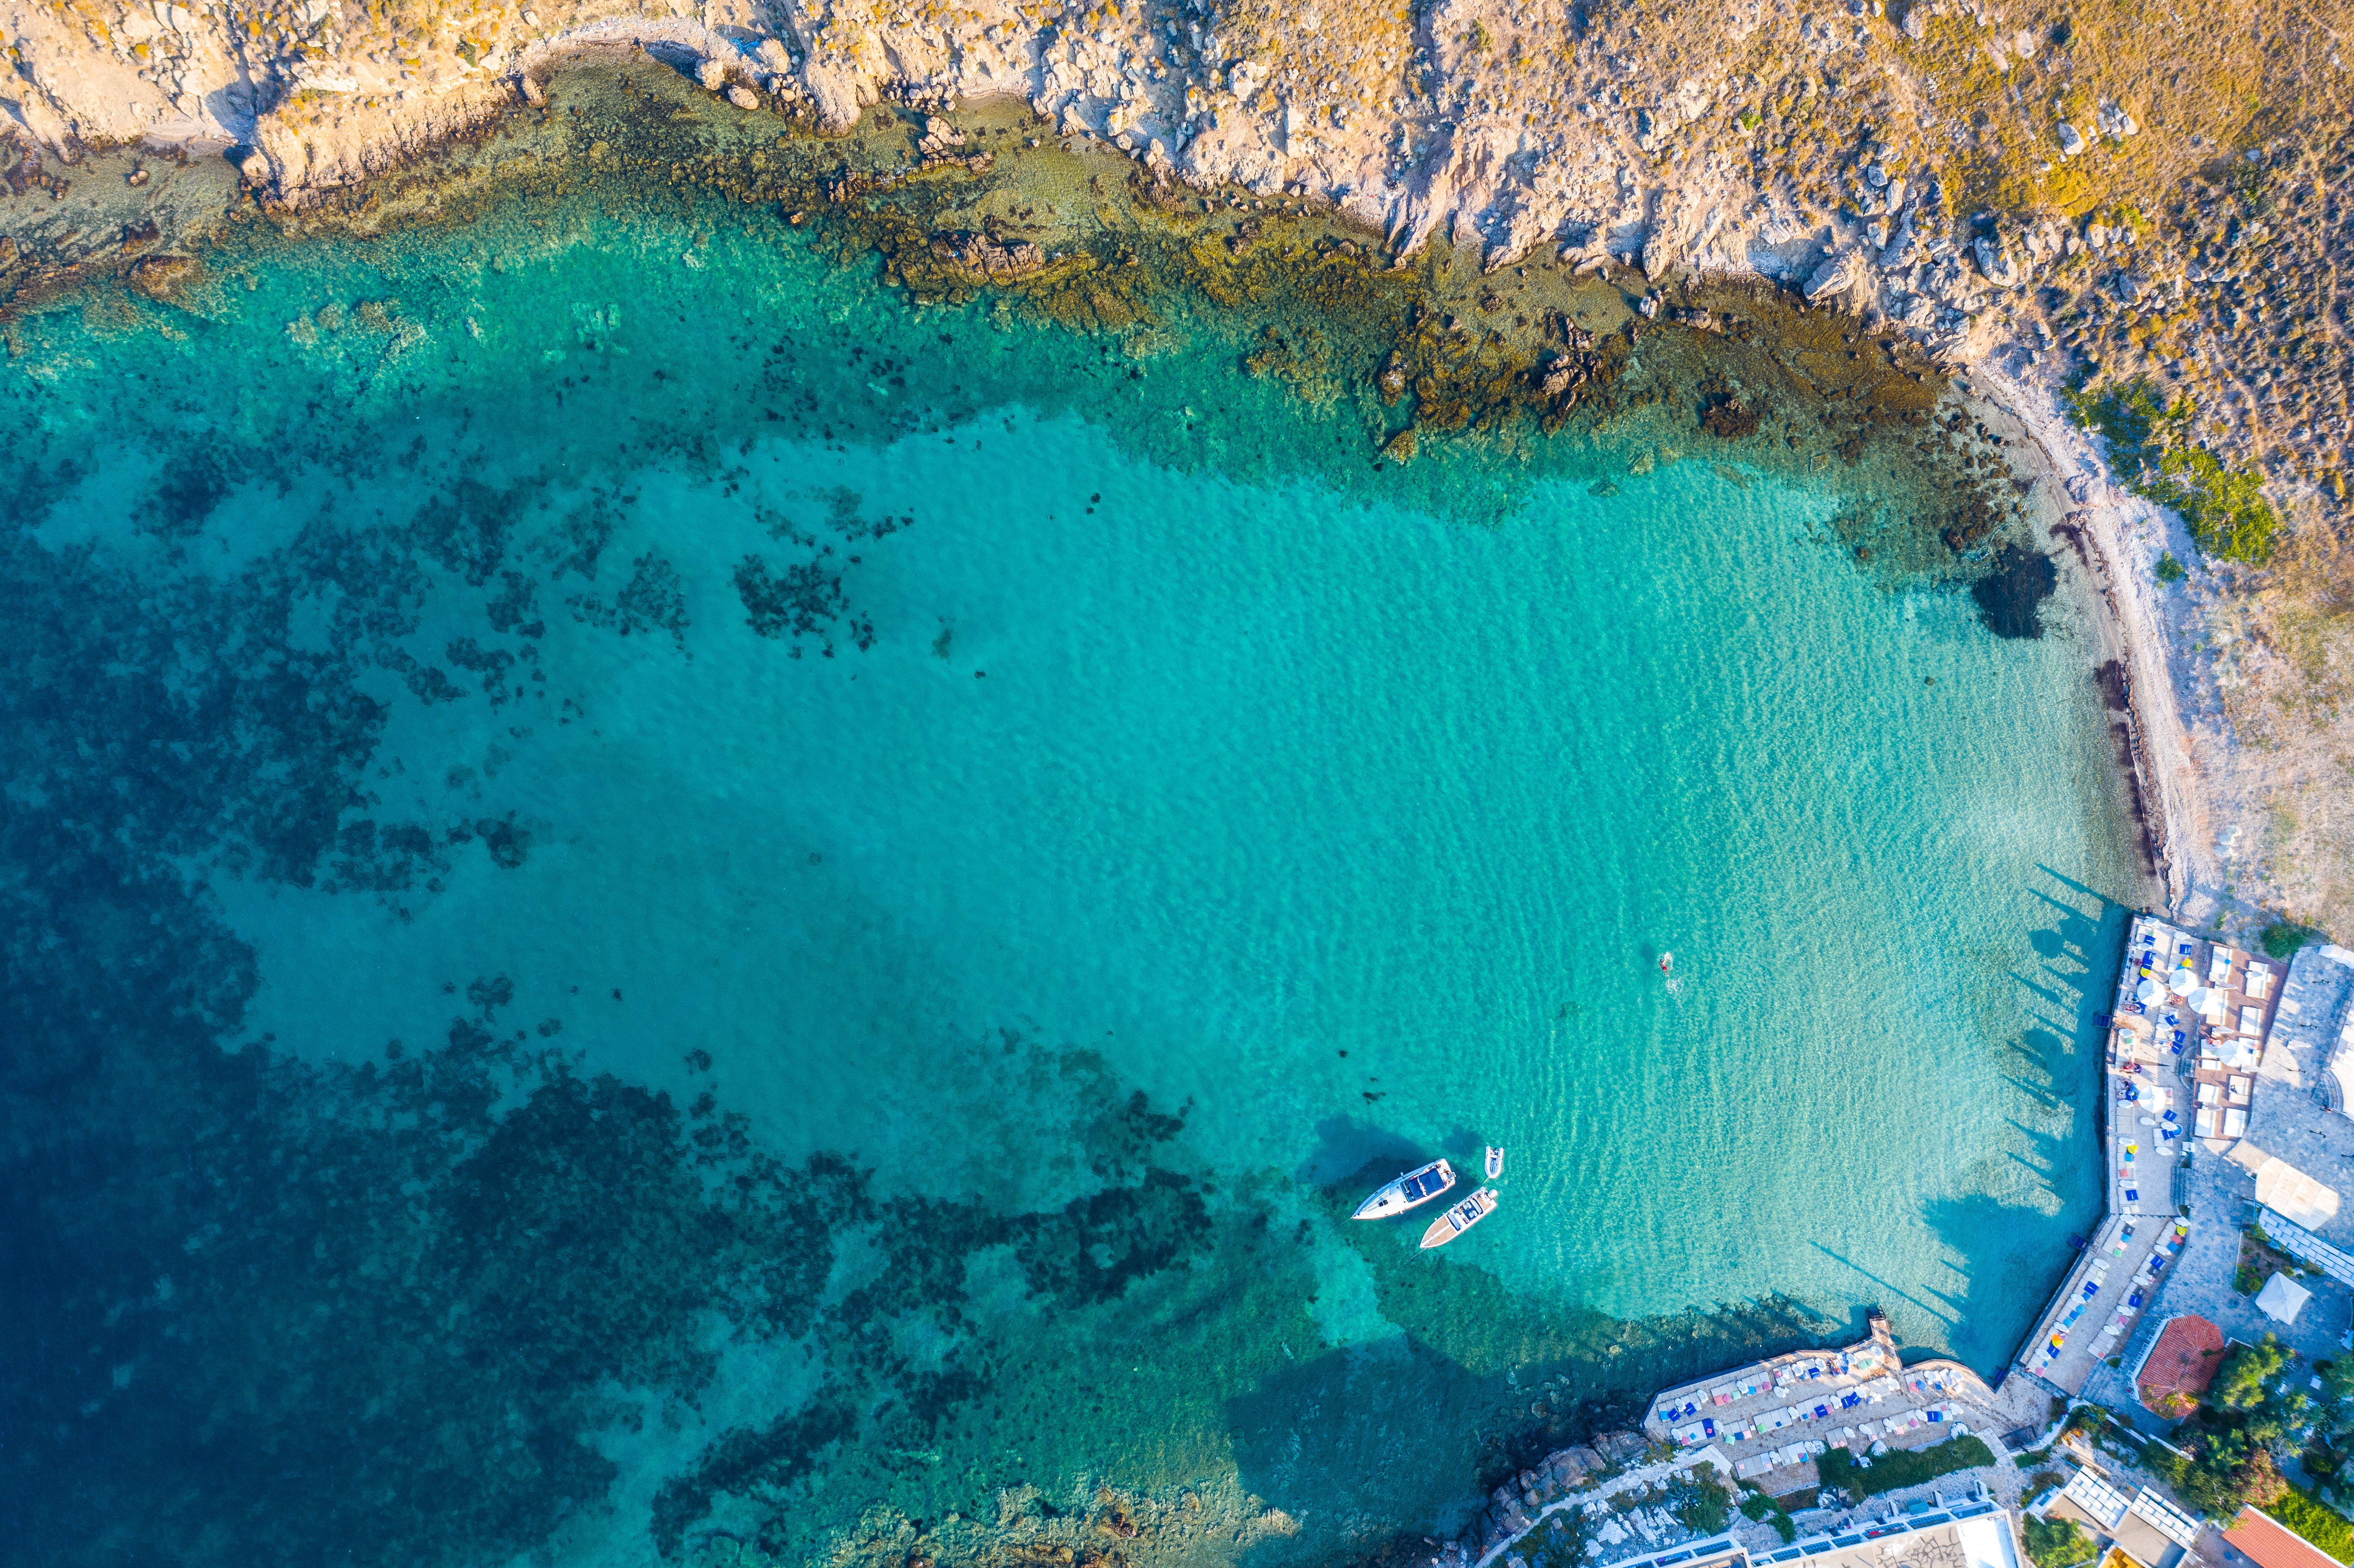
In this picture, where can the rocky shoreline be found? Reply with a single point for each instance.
(2099, 233)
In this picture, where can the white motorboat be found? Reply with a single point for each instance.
(1495, 1162)
(1417, 1186)
(1460, 1218)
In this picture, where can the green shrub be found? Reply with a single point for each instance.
(2282, 940)
(1701, 1502)
(2128, 414)
(2150, 440)
(2057, 1543)
(1902, 1467)
(1765, 1510)
(2324, 1526)
(2171, 570)
(2225, 507)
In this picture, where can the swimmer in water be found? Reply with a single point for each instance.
(1666, 959)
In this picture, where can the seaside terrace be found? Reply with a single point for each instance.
(2187, 1037)
(2143, 1526)
(1770, 1419)
(1971, 1530)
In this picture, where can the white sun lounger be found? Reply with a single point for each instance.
(2235, 1123)
(2205, 1125)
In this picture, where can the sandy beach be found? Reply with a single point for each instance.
(2111, 531)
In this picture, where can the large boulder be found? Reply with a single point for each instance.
(1835, 276)
(982, 256)
(1621, 1447)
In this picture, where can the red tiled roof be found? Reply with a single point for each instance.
(2268, 1543)
(2181, 1364)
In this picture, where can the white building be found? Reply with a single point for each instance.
(2317, 1010)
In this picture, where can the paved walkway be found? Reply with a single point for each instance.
(1642, 1479)
(2088, 1343)
(2218, 1192)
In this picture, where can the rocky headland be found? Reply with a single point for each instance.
(2129, 224)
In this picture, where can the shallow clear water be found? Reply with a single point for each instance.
(651, 893)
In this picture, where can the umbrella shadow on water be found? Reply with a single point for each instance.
(1997, 1286)
(2059, 1048)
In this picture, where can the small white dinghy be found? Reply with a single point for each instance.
(1495, 1162)
(1458, 1219)
(1418, 1186)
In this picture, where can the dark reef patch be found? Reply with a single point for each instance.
(651, 600)
(467, 530)
(1727, 418)
(191, 487)
(2010, 596)
(801, 599)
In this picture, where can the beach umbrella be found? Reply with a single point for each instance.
(2180, 981)
(2200, 998)
(2149, 990)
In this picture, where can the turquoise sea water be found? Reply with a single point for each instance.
(660, 907)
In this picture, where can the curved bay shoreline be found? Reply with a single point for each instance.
(1738, 325)
(411, 168)
(2042, 194)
